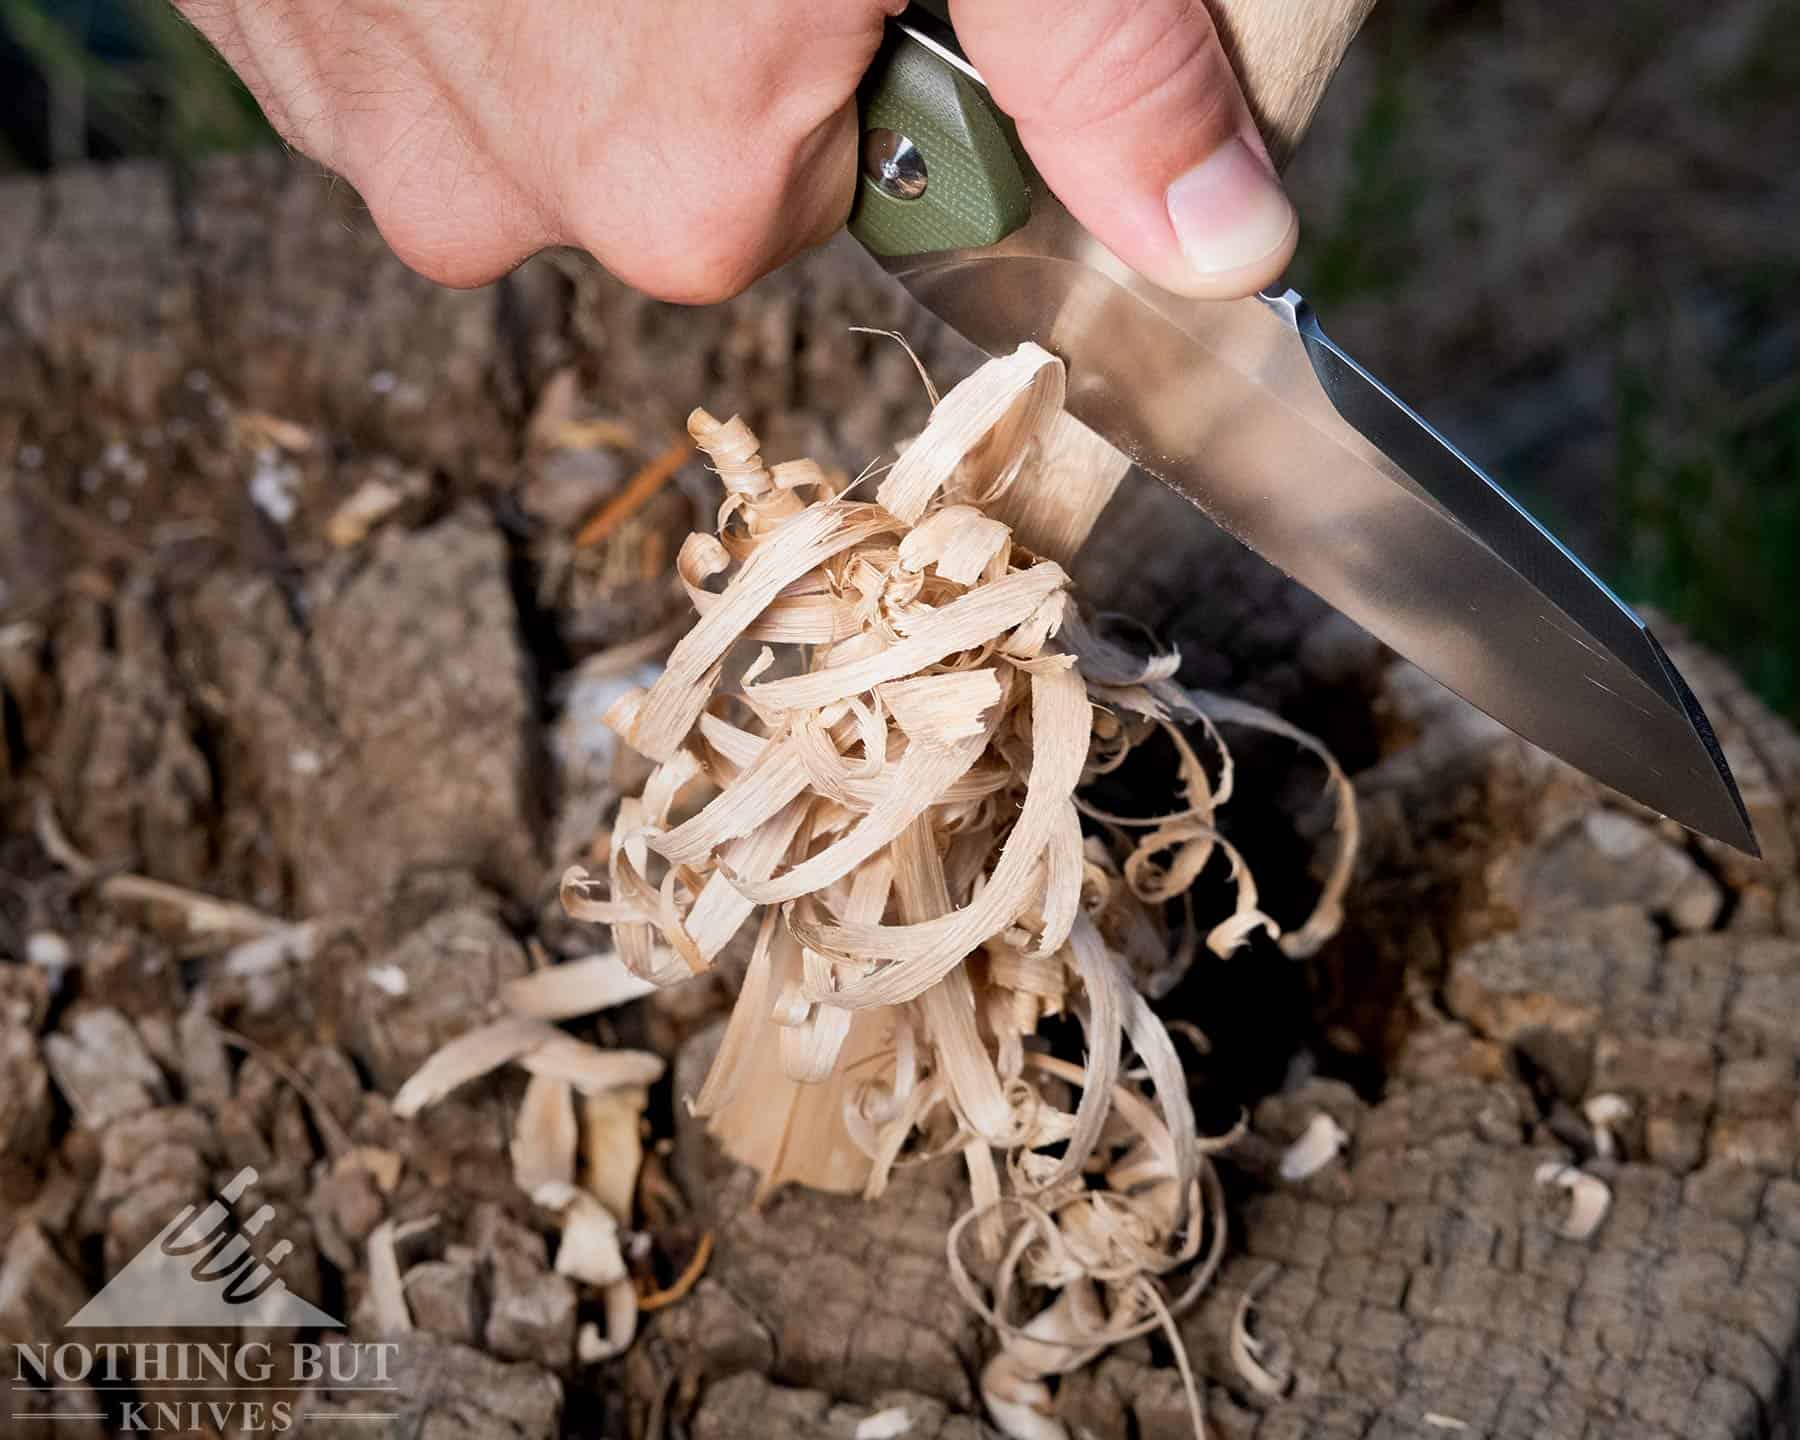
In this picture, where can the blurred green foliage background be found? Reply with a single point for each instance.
(99, 79)
(1697, 507)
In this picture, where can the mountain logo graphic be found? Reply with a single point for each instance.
(201, 1271)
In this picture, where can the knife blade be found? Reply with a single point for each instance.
(1248, 410)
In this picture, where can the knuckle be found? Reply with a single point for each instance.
(691, 268)
(461, 256)
(697, 251)
(442, 211)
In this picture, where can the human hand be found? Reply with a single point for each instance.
(692, 147)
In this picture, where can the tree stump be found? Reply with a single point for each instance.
(1518, 943)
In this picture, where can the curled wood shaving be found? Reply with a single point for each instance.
(870, 751)
(1264, 1364)
(1321, 1143)
(620, 1299)
(1584, 1202)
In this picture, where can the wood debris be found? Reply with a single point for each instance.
(1605, 1114)
(589, 1251)
(887, 1424)
(387, 1296)
(381, 1165)
(371, 503)
(1319, 1144)
(544, 1136)
(205, 917)
(870, 751)
(612, 1146)
(1582, 1203)
(536, 1046)
(577, 987)
(1264, 1363)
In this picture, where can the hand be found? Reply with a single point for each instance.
(691, 147)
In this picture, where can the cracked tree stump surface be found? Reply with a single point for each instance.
(244, 705)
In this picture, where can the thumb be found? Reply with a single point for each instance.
(1130, 111)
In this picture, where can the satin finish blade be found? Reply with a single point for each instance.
(1251, 413)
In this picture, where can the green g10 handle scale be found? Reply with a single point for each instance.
(940, 165)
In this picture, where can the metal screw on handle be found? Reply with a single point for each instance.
(894, 164)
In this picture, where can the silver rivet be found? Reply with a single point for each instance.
(894, 163)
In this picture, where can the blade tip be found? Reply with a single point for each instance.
(1733, 827)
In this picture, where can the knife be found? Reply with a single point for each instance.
(1248, 410)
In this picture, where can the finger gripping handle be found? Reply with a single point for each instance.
(963, 181)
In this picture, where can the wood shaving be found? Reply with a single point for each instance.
(1320, 1144)
(1584, 1202)
(538, 1047)
(204, 915)
(1605, 1114)
(215, 921)
(589, 1251)
(254, 429)
(387, 1296)
(612, 1146)
(870, 754)
(371, 503)
(590, 1070)
(276, 950)
(621, 1302)
(380, 1164)
(1264, 1364)
(579, 987)
(544, 1135)
(886, 1424)
(593, 435)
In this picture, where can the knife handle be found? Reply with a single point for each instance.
(942, 168)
